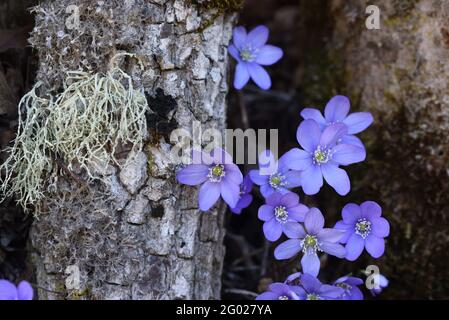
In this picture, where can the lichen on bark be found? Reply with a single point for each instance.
(86, 126)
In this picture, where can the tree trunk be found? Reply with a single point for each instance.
(400, 74)
(140, 235)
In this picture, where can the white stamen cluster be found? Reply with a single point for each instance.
(276, 181)
(248, 53)
(281, 214)
(283, 298)
(321, 155)
(313, 296)
(363, 227)
(310, 244)
(216, 173)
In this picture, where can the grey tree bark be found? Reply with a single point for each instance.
(140, 235)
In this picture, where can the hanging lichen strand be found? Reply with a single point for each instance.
(83, 129)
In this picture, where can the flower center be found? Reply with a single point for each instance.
(248, 54)
(281, 214)
(283, 298)
(310, 244)
(313, 296)
(321, 155)
(216, 173)
(277, 180)
(345, 286)
(363, 227)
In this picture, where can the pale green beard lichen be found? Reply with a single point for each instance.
(85, 126)
(28, 161)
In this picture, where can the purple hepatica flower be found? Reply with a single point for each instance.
(251, 52)
(337, 111)
(364, 228)
(349, 285)
(313, 289)
(245, 195)
(322, 157)
(310, 240)
(382, 282)
(282, 213)
(274, 176)
(278, 291)
(218, 176)
(8, 291)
